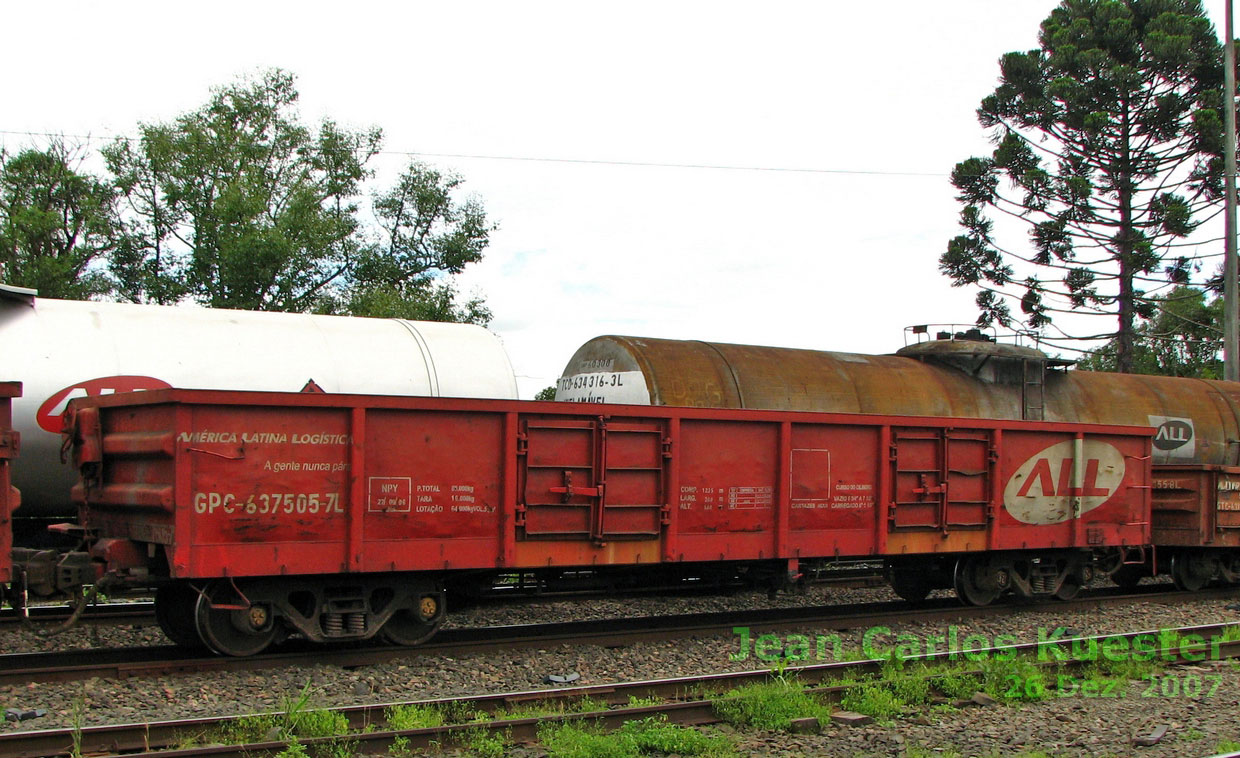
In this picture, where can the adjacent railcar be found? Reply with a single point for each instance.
(343, 516)
(1196, 526)
(10, 498)
(961, 374)
(62, 349)
(949, 372)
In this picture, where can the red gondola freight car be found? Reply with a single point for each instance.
(340, 516)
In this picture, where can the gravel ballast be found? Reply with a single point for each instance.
(1073, 725)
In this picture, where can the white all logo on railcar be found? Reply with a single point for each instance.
(1175, 439)
(1043, 489)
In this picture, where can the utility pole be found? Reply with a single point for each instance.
(1231, 337)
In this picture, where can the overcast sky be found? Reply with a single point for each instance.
(859, 110)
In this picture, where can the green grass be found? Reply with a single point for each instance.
(578, 741)
(399, 747)
(770, 705)
(909, 683)
(294, 750)
(77, 718)
(295, 722)
(634, 739)
(541, 709)
(925, 752)
(657, 736)
(873, 699)
(644, 702)
(402, 717)
(958, 686)
(900, 686)
(1127, 668)
(485, 744)
(1015, 680)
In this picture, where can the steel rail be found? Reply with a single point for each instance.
(143, 612)
(76, 665)
(103, 613)
(686, 703)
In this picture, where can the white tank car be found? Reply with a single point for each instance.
(61, 349)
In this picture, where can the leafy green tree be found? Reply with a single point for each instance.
(57, 224)
(1184, 338)
(240, 205)
(420, 301)
(426, 236)
(1108, 142)
(546, 393)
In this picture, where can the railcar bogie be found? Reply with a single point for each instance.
(176, 607)
(983, 578)
(245, 616)
(1193, 569)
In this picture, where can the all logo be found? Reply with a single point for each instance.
(1173, 434)
(48, 415)
(1174, 439)
(1045, 487)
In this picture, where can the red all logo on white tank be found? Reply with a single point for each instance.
(1044, 488)
(48, 416)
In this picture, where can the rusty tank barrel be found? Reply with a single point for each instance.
(1198, 420)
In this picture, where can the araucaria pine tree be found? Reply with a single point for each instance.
(1108, 147)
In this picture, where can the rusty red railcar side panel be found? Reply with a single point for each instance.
(1197, 506)
(10, 498)
(258, 484)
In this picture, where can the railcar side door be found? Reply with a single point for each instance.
(941, 478)
(591, 479)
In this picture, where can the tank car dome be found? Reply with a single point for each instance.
(976, 349)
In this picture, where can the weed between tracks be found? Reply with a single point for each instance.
(636, 738)
(297, 721)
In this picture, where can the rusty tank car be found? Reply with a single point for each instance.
(964, 373)
(959, 375)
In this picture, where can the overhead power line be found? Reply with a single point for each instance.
(654, 164)
(578, 161)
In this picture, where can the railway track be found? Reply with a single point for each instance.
(21, 668)
(143, 611)
(140, 612)
(683, 700)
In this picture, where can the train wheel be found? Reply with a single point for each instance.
(1070, 588)
(976, 583)
(233, 631)
(910, 584)
(1190, 573)
(176, 606)
(1129, 575)
(413, 626)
